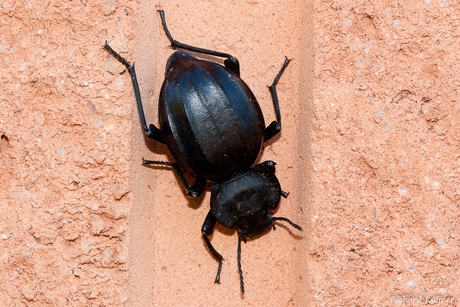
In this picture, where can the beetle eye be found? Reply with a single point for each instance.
(254, 224)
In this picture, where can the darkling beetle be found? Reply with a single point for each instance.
(214, 128)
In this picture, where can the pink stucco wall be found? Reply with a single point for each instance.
(369, 152)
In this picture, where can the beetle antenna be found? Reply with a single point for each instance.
(287, 220)
(157, 162)
(239, 264)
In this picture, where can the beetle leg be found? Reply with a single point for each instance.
(151, 131)
(231, 62)
(145, 162)
(278, 218)
(275, 127)
(239, 262)
(206, 230)
(196, 189)
(193, 191)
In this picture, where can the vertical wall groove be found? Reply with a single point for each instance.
(305, 185)
(142, 275)
(181, 269)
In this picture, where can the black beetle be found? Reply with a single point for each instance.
(213, 126)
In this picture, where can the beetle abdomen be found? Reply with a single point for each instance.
(210, 118)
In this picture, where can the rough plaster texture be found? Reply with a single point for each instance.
(369, 151)
(385, 145)
(65, 174)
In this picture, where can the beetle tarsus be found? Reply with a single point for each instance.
(285, 194)
(278, 76)
(146, 162)
(165, 27)
(231, 62)
(206, 230)
(275, 127)
(217, 280)
(151, 131)
(116, 55)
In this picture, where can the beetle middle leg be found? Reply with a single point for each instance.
(231, 62)
(206, 230)
(151, 131)
(275, 127)
(195, 190)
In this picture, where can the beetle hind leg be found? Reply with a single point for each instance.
(151, 131)
(206, 230)
(193, 191)
(275, 127)
(231, 62)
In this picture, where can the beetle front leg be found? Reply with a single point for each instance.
(231, 62)
(206, 230)
(193, 191)
(275, 127)
(151, 131)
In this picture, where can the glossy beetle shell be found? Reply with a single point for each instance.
(210, 119)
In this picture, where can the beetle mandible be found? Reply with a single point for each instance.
(214, 128)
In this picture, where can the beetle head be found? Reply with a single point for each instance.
(254, 224)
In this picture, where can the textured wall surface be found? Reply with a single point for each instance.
(65, 175)
(385, 144)
(369, 151)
